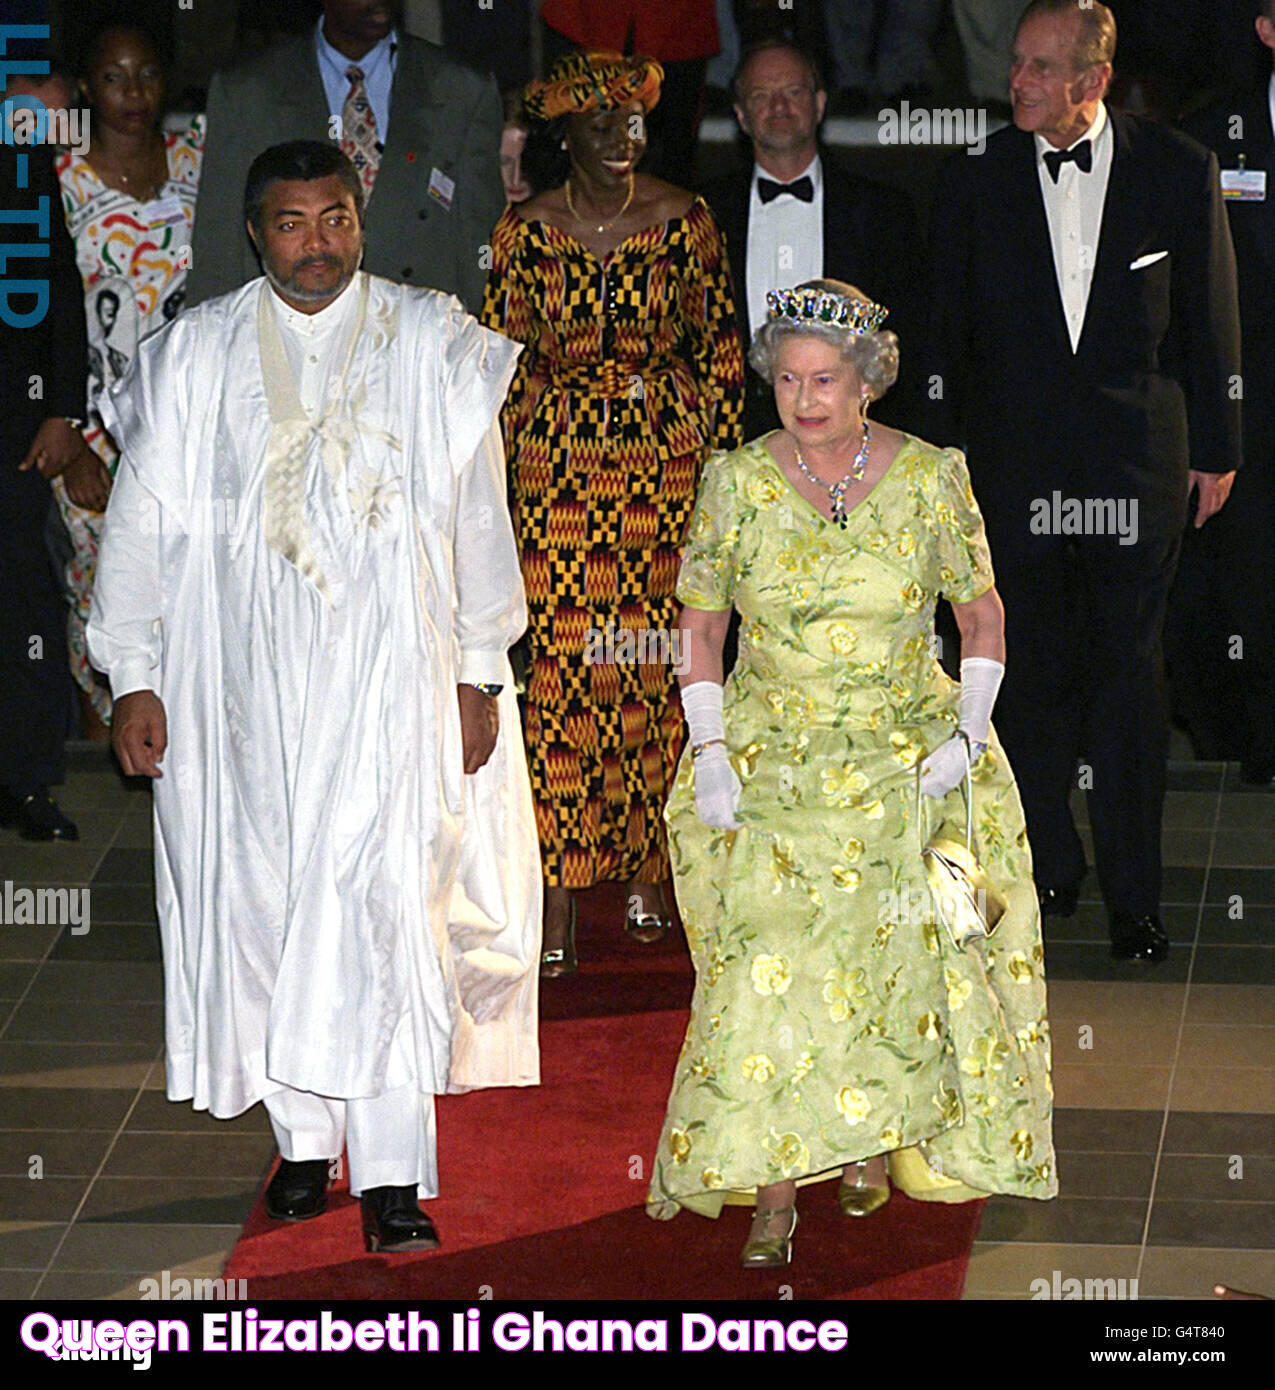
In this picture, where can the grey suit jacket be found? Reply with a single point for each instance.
(443, 116)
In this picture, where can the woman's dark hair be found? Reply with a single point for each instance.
(297, 159)
(133, 19)
(545, 164)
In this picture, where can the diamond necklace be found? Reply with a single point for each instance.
(602, 226)
(837, 491)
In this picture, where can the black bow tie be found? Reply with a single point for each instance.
(1081, 153)
(802, 188)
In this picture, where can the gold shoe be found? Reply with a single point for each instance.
(911, 1172)
(765, 1252)
(855, 1199)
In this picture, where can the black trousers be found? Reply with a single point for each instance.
(35, 678)
(1219, 637)
(1084, 682)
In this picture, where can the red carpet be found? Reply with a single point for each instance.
(544, 1186)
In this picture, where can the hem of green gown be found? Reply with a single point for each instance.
(733, 1197)
(910, 1173)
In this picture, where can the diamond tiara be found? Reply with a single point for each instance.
(822, 306)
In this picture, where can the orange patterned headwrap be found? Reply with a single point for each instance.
(592, 82)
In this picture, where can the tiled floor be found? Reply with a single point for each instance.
(1165, 1077)
(103, 1182)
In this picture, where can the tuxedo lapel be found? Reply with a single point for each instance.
(1037, 257)
(1118, 234)
(731, 210)
(838, 218)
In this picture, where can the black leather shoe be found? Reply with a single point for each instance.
(1059, 902)
(1140, 939)
(1258, 774)
(299, 1190)
(37, 817)
(392, 1221)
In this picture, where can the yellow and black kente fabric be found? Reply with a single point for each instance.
(631, 375)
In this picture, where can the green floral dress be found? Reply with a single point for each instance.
(832, 1018)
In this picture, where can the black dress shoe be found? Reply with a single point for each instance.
(393, 1222)
(37, 817)
(299, 1190)
(1258, 774)
(1059, 902)
(1140, 939)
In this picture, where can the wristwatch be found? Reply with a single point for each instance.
(491, 691)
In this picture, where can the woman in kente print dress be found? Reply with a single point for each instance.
(130, 206)
(631, 374)
(833, 1021)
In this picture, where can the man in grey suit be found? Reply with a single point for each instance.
(423, 130)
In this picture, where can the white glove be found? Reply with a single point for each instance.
(702, 705)
(717, 788)
(980, 681)
(945, 767)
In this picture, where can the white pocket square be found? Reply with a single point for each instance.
(1150, 259)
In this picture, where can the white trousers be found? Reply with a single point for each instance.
(390, 1138)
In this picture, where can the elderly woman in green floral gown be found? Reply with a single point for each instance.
(834, 1022)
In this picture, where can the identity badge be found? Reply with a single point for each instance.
(164, 212)
(1244, 185)
(441, 188)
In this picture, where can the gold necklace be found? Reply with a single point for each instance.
(602, 226)
(149, 189)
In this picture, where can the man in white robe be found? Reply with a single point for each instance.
(306, 591)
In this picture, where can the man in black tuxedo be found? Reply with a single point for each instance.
(1220, 637)
(797, 213)
(1085, 335)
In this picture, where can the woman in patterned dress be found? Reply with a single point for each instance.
(618, 286)
(833, 1021)
(130, 205)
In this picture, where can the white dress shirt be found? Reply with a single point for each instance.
(313, 343)
(1073, 207)
(378, 76)
(785, 241)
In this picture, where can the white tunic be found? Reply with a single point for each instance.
(342, 909)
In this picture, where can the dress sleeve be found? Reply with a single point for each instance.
(708, 574)
(508, 308)
(964, 561)
(709, 309)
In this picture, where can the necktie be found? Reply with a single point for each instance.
(358, 130)
(802, 189)
(1082, 154)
